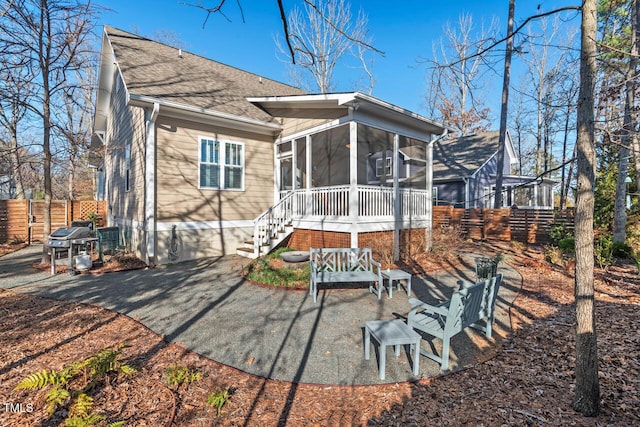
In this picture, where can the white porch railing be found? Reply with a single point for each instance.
(272, 221)
(373, 201)
(374, 204)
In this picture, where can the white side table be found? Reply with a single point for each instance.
(397, 276)
(391, 332)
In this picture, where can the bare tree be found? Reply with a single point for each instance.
(79, 107)
(455, 76)
(321, 35)
(51, 32)
(15, 91)
(587, 391)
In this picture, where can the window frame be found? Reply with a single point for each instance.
(222, 164)
(388, 168)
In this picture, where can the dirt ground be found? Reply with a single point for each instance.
(526, 379)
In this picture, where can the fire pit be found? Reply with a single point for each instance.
(295, 256)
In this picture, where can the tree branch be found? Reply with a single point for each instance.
(513, 33)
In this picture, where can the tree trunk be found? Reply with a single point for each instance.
(45, 58)
(505, 106)
(563, 187)
(586, 399)
(628, 126)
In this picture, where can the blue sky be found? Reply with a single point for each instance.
(404, 31)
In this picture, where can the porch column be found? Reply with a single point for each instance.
(429, 186)
(396, 199)
(353, 182)
(307, 192)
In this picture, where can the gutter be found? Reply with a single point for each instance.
(169, 107)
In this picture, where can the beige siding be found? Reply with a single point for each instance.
(178, 196)
(125, 125)
(292, 126)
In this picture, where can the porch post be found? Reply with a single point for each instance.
(353, 181)
(396, 199)
(307, 192)
(429, 186)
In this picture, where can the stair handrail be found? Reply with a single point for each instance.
(265, 226)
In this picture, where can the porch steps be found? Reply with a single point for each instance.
(247, 248)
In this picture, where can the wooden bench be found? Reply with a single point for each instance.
(468, 307)
(343, 265)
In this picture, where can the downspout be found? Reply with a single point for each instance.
(429, 186)
(150, 183)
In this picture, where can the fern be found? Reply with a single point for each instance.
(82, 405)
(86, 374)
(86, 421)
(42, 379)
(177, 375)
(219, 399)
(56, 396)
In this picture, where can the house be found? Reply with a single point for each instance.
(204, 159)
(464, 174)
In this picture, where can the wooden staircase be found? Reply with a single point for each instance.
(270, 229)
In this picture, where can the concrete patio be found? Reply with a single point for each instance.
(209, 308)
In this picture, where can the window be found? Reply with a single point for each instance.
(221, 164)
(434, 195)
(387, 171)
(127, 167)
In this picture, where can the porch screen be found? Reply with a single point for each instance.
(330, 157)
(375, 156)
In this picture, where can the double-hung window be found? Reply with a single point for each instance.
(387, 169)
(221, 164)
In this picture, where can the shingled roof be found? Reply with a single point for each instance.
(167, 74)
(462, 156)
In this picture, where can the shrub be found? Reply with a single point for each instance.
(559, 232)
(621, 250)
(567, 245)
(603, 251)
(554, 255)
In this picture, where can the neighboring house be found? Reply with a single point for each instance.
(7, 187)
(464, 174)
(200, 156)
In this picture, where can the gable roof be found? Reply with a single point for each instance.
(154, 70)
(463, 156)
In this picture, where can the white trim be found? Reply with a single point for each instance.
(356, 100)
(325, 126)
(204, 225)
(221, 163)
(178, 110)
(150, 182)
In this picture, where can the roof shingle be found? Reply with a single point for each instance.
(158, 71)
(462, 156)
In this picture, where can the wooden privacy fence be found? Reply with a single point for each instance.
(23, 220)
(522, 225)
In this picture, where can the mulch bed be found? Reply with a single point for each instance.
(525, 380)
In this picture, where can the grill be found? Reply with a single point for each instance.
(62, 237)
